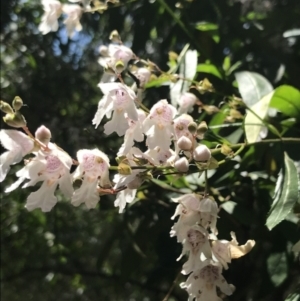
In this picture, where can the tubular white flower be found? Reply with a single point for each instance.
(52, 11)
(120, 99)
(201, 284)
(158, 126)
(158, 156)
(133, 133)
(143, 75)
(186, 102)
(120, 53)
(224, 250)
(209, 214)
(72, 21)
(195, 243)
(93, 168)
(18, 145)
(189, 215)
(52, 167)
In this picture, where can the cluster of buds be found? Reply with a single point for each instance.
(196, 229)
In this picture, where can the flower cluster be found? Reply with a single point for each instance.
(171, 140)
(207, 256)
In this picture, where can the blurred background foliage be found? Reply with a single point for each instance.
(75, 254)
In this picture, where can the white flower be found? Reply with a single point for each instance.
(18, 145)
(201, 284)
(186, 102)
(120, 99)
(158, 126)
(224, 250)
(132, 181)
(120, 53)
(189, 215)
(183, 135)
(72, 21)
(93, 168)
(52, 167)
(53, 10)
(195, 243)
(158, 156)
(209, 214)
(133, 133)
(143, 75)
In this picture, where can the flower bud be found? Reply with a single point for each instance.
(192, 127)
(182, 164)
(124, 169)
(184, 143)
(17, 103)
(15, 120)
(119, 66)
(115, 37)
(201, 153)
(43, 134)
(5, 107)
(201, 129)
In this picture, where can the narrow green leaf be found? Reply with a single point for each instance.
(252, 86)
(286, 193)
(253, 125)
(205, 26)
(209, 68)
(286, 99)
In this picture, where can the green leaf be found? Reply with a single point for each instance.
(252, 124)
(252, 86)
(277, 267)
(209, 68)
(158, 82)
(286, 193)
(293, 297)
(286, 99)
(206, 26)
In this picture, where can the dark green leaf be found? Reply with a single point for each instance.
(209, 68)
(286, 99)
(286, 193)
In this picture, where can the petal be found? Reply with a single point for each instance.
(87, 193)
(65, 185)
(43, 198)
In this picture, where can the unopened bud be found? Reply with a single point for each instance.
(43, 134)
(15, 120)
(119, 66)
(184, 143)
(210, 109)
(201, 153)
(124, 169)
(6, 108)
(182, 164)
(192, 127)
(235, 114)
(202, 129)
(17, 103)
(173, 56)
(115, 37)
